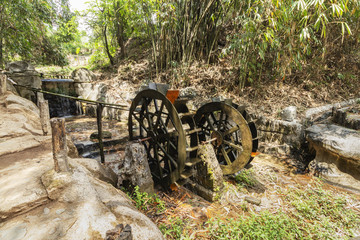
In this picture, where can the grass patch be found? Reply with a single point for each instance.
(145, 202)
(246, 178)
(256, 226)
(176, 229)
(312, 213)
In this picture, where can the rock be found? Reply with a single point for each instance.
(119, 233)
(24, 74)
(92, 91)
(46, 210)
(288, 114)
(83, 75)
(16, 232)
(161, 87)
(314, 113)
(86, 208)
(98, 170)
(60, 211)
(55, 183)
(71, 149)
(253, 200)
(279, 136)
(189, 92)
(105, 135)
(135, 169)
(19, 67)
(208, 181)
(347, 117)
(335, 147)
(20, 126)
(20, 187)
(10, 87)
(331, 173)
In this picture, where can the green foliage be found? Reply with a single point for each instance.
(145, 201)
(256, 226)
(319, 205)
(245, 178)
(277, 37)
(112, 23)
(174, 230)
(317, 214)
(27, 32)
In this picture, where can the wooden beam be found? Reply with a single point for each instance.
(44, 116)
(59, 144)
(2, 84)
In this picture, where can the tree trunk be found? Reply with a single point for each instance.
(111, 58)
(1, 53)
(119, 26)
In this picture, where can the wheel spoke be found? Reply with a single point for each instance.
(141, 123)
(227, 159)
(156, 156)
(167, 154)
(221, 122)
(209, 123)
(231, 130)
(158, 116)
(237, 147)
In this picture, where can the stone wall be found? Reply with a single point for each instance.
(279, 136)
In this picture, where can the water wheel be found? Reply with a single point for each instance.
(154, 120)
(226, 128)
(171, 135)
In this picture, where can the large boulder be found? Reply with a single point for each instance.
(134, 170)
(19, 67)
(20, 126)
(71, 205)
(83, 75)
(337, 153)
(23, 73)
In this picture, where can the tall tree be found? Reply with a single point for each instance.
(24, 26)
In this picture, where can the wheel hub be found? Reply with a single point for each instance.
(219, 138)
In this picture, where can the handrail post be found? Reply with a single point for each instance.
(99, 110)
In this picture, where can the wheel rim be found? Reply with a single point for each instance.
(154, 120)
(233, 140)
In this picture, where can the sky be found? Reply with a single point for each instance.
(79, 5)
